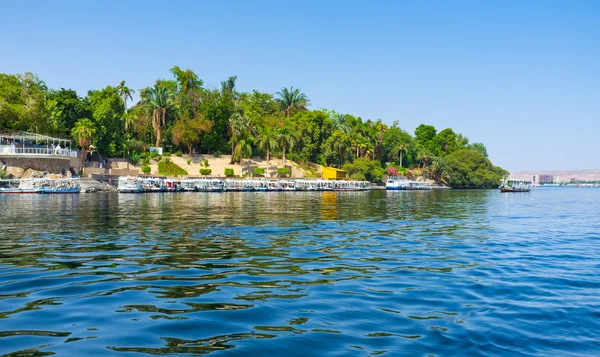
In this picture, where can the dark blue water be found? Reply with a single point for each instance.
(293, 274)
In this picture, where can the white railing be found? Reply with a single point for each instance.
(9, 150)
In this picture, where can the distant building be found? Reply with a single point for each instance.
(331, 173)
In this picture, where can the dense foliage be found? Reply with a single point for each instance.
(181, 114)
(471, 169)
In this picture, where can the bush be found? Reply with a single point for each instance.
(205, 172)
(205, 162)
(144, 155)
(229, 172)
(168, 154)
(158, 159)
(3, 174)
(146, 169)
(146, 162)
(179, 154)
(282, 171)
(189, 162)
(134, 158)
(170, 169)
(292, 156)
(392, 171)
(363, 169)
(259, 171)
(167, 160)
(217, 153)
(153, 154)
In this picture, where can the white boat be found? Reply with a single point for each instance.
(58, 186)
(18, 186)
(396, 183)
(509, 185)
(129, 184)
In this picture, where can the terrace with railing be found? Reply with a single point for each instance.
(34, 145)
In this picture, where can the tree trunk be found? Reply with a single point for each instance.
(232, 150)
(158, 132)
(268, 157)
(283, 158)
(82, 160)
(401, 158)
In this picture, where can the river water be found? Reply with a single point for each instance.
(301, 274)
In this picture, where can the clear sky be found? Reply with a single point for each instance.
(523, 77)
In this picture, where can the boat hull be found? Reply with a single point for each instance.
(18, 191)
(508, 189)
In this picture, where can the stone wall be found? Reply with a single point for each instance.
(53, 165)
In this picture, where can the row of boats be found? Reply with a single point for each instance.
(395, 183)
(40, 186)
(131, 184)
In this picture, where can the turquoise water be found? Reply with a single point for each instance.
(295, 274)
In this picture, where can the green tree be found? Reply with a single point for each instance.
(187, 131)
(286, 140)
(158, 99)
(23, 103)
(365, 169)
(65, 108)
(83, 132)
(398, 150)
(107, 111)
(479, 147)
(425, 135)
(266, 141)
(243, 146)
(125, 92)
(291, 101)
(470, 169)
(239, 127)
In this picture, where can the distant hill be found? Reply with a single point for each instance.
(564, 175)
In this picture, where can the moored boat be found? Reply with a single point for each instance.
(509, 185)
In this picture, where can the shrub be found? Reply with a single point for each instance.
(292, 156)
(205, 172)
(392, 171)
(146, 169)
(3, 174)
(167, 160)
(143, 155)
(364, 169)
(168, 154)
(153, 154)
(259, 171)
(146, 162)
(134, 158)
(159, 158)
(170, 169)
(179, 154)
(229, 171)
(189, 162)
(217, 153)
(283, 171)
(205, 162)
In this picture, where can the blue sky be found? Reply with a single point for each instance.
(523, 77)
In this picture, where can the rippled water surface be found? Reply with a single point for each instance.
(285, 274)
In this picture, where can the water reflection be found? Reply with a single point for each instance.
(277, 273)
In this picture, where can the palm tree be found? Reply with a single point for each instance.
(159, 99)
(291, 100)
(228, 86)
(266, 141)
(340, 122)
(125, 92)
(84, 131)
(399, 150)
(238, 124)
(285, 140)
(243, 146)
